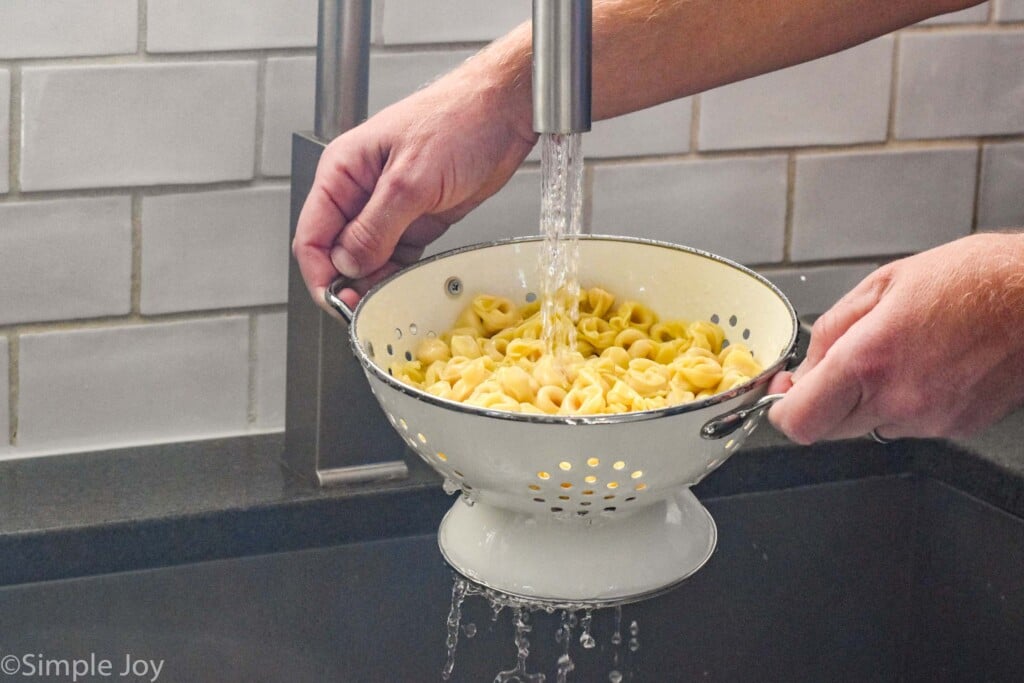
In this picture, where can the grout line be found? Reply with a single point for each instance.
(251, 407)
(12, 388)
(75, 324)
(143, 28)
(261, 114)
(135, 58)
(14, 144)
(136, 257)
(695, 124)
(894, 79)
(152, 190)
(977, 187)
(787, 227)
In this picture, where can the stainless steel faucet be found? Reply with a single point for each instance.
(342, 66)
(561, 66)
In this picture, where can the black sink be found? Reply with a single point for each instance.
(891, 578)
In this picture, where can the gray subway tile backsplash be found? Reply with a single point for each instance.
(207, 250)
(67, 28)
(83, 268)
(869, 203)
(839, 99)
(1001, 200)
(963, 83)
(199, 25)
(147, 383)
(138, 124)
(733, 207)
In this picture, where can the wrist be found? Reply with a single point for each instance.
(502, 77)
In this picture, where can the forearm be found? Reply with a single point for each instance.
(646, 52)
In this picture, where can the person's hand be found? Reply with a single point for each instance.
(928, 346)
(387, 188)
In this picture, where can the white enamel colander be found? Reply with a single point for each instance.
(584, 510)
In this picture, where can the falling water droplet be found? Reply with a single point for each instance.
(459, 590)
(614, 677)
(469, 630)
(586, 638)
(634, 642)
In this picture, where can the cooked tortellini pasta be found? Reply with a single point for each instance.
(625, 359)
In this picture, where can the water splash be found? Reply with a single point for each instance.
(519, 674)
(564, 636)
(521, 609)
(459, 591)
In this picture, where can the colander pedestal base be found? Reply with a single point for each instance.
(593, 560)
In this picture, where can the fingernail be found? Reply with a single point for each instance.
(345, 264)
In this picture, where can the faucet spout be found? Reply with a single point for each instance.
(561, 66)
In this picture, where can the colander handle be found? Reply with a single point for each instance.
(334, 301)
(727, 423)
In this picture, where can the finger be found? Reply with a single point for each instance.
(817, 404)
(834, 323)
(781, 383)
(319, 222)
(368, 241)
(340, 190)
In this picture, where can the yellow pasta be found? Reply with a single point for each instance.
(626, 359)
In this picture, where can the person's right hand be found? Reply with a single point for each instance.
(387, 188)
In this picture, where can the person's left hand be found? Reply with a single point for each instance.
(928, 346)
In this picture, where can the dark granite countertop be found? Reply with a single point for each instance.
(74, 515)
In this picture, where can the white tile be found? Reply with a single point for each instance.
(64, 28)
(732, 207)
(220, 249)
(198, 25)
(513, 211)
(972, 15)
(5, 425)
(1010, 10)
(839, 99)
(814, 290)
(960, 83)
(64, 259)
(664, 129)
(5, 126)
(105, 387)
(271, 353)
(416, 21)
(394, 76)
(860, 204)
(101, 126)
(1001, 203)
(288, 106)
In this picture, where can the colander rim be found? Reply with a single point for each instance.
(604, 418)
